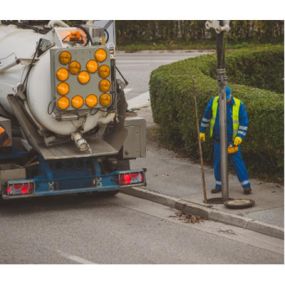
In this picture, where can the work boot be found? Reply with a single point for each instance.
(215, 191)
(247, 191)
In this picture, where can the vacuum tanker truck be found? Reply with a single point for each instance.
(63, 122)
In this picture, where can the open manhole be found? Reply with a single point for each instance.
(232, 203)
(239, 203)
(216, 200)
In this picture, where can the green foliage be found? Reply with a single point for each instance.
(173, 86)
(157, 31)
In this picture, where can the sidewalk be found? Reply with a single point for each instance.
(178, 177)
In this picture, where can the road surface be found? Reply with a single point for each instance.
(137, 67)
(123, 229)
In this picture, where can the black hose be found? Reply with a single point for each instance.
(89, 39)
(107, 35)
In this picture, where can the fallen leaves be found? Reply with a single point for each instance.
(188, 218)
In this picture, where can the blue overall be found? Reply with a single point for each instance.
(236, 158)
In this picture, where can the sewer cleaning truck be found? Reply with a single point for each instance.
(64, 125)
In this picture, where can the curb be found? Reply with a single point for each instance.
(206, 212)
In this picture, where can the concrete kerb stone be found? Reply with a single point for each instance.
(152, 196)
(191, 208)
(228, 218)
(206, 212)
(263, 228)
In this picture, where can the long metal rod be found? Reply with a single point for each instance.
(221, 76)
(201, 153)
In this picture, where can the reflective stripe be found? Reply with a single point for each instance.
(243, 128)
(235, 115)
(245, 182)
(242, 133)
(214, 114)
(218, 182)
(205, 120)
(204, 125)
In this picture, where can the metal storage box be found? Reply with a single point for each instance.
(135, 143)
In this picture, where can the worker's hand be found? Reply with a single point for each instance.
(202, 137)
(237, 141)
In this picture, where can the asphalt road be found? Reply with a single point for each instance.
(137, 67)
(122, 229)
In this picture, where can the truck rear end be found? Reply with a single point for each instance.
(64, 111)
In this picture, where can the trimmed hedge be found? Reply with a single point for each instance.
(172, 91)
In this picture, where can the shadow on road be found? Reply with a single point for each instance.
(56, 203)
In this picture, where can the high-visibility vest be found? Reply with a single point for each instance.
(235, 115)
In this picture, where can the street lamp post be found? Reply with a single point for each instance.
(220, 27)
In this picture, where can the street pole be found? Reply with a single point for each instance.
(222, 81)
(220, 28)
(200, 148)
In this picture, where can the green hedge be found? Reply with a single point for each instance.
(172, 91)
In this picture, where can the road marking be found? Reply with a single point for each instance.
(127, 90)
(142, 100)
(75, 258)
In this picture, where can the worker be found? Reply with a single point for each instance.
(237, 125)
(4, 139)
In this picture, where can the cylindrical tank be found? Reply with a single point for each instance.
(21, 43)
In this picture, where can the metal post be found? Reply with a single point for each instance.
(200, 151)
(221, 76)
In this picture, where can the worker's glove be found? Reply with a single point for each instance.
(202, 137)
(237, 141)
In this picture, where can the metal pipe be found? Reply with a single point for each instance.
(223, 142)
(221, 76)
(200, 152)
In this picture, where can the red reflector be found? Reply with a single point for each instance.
(131, 178)
(20, 188)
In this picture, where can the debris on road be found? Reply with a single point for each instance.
(188, 218)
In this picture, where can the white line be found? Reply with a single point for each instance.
(142, 100)
(127, 90)
(75, 258)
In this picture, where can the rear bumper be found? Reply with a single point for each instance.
(60, 186)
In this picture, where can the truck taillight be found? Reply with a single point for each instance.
(131, 178)
(15, 189)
